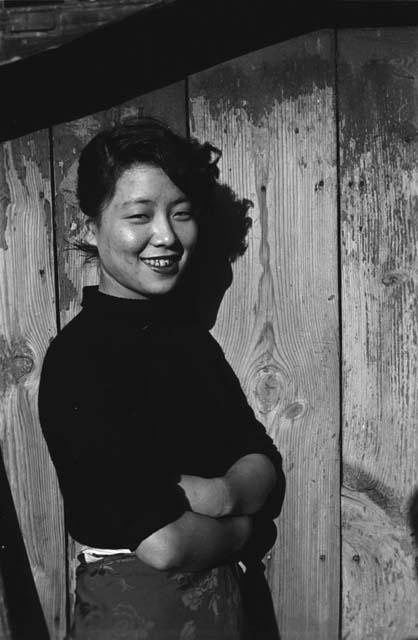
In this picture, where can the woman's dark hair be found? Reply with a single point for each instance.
(190, 165)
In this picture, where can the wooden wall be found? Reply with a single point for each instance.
(321, 133)
(378, 119)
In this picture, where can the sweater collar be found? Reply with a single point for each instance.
(93, 299)
(170, 308)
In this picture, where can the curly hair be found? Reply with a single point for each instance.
(192, 166)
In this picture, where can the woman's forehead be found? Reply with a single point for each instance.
(147, 184)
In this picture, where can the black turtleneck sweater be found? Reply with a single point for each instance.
(132, 395)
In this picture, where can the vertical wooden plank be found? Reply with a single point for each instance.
(167, 104)
(272, 114)
(379, 189)
(27, 322)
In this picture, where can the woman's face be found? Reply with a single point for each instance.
(145, 236)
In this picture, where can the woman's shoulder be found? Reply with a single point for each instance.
(74, 333)
(74, 346)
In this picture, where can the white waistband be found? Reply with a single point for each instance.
(91, 554)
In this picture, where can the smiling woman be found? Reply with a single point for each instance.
(145, 235)
(168, 479)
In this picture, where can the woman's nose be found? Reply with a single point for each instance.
(162, 231)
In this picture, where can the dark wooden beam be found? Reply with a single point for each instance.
(375, 13)
(27, 30)
(161, 45)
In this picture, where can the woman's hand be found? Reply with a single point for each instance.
(208, 496)
(262, 539)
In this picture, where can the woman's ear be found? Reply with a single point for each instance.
(91, 230)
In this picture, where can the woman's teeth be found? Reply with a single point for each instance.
(159, 262)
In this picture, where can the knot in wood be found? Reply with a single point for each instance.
(294, 410)
(392, 278)
(268, 387)
(15, 362)
(21, 366)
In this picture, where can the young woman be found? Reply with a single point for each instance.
(167, 477)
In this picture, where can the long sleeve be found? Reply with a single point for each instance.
(248, 433)
(117, 484)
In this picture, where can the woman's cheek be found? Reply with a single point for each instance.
(130, 240)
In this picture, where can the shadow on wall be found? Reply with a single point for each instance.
(222, 239)
(413, 523)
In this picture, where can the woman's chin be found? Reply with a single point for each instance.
(140, 290)
(159, 288)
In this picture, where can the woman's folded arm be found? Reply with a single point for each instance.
(241, 491)
(195, 542)
(246, 432)
(250, 481)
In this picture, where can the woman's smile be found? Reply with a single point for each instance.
(163, 264)
(145, 236)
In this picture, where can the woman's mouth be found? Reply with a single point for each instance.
(163, 264)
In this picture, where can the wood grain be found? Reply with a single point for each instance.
(168, 104)
(379, 189)
(27, 323)
(272, 114)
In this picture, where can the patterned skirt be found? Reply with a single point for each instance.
(122, 598)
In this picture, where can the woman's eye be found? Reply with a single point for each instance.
(183, 215)
(139, 217)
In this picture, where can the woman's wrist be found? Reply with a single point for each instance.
(225, 503)
(211, 497)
